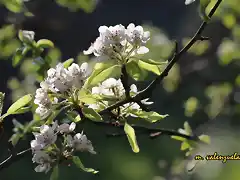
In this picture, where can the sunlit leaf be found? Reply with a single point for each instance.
(150, 116)
(202, 7)
(184, 145)
(131, 137)
(187, 128)
(45, 43)
(205, 138)
(149, 67)
(137, 73)
(80, 165)
(98, 77)
(19, 104)
(68, 62)
(17, 57)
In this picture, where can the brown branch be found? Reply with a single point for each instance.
(124, 79)
(148, 90)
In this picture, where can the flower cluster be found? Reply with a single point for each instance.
(113, 88)
(59, 80)
(45, 149)
(115, 42)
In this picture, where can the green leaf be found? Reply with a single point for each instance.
(17, 57)
(80, 165)
(205, 138)
(74, 117)
(19, 104)
(202, 8)
(187, 128)
(135, 71)
(149, 67)
(55, 173)
(2, 95)
(85, 97)
(45, 43)
(22, 110)
(154, 62)
(184, 146)
(14, 139)
(131, 137)
(91, 114)
(98, 77)
(179, 138)
(68, 62)
(15, 6)
(150, 116)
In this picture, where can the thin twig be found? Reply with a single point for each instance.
(13, 158)
(148, 90)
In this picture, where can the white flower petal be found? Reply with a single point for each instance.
(142, 50)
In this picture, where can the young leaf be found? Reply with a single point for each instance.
(113, 71)
(179, 138)
(44, 43)
(135, 71)
(149, 67)
(91, 114)
(22, 110)
(17, 57)
(131, 137)
(202, 8)
(68, 62)
(150, 116)
(55, 173)
(205, 138)
(80, 165)
(19, 104)
(187, 128)
(184, 145)
(154, 62)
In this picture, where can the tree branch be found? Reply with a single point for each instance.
(148, 90)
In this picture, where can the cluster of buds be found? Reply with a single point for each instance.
(118, 42)
(46, 150)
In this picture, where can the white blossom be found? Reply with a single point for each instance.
(66, 128)
(41, 97)
(80, 143)
(133, 89)
(113, 34)
(44, 161)
(46, 137)
(187, 2)
(136, 34)
(58, 79)
(43, 111)
(115, 41)
(78, 74)
(110, 87)
(28, 35)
